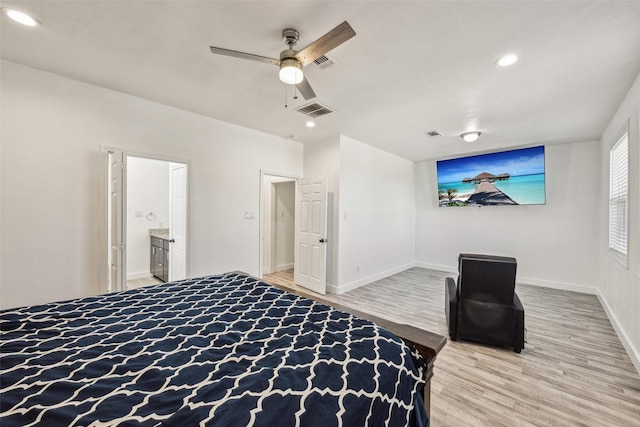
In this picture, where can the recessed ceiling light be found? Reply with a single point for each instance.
(507, 60)
(310, 124)
(21, 17)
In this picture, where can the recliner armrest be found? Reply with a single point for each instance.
(518, 310)
(451, 307)
(517, 305)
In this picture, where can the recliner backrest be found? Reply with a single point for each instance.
(485, 278)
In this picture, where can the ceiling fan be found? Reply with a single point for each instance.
(291, 61)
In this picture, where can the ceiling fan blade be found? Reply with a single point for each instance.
(324, 44)
(305, 89)
(243, 55)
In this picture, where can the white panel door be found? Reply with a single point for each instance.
(178, 222)
(310, 268)
(117, 233)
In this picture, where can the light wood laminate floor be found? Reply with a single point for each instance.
(573, 370)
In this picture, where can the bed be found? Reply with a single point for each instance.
(224, 350)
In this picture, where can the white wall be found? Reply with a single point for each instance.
(555, 244)
(52, 132)
(376, 214)
(284, 224)
(147, 191)
(267, 218)
(619, 286)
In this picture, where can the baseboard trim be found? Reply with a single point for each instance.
(142, 275)
(369, 279)
(563, 286)
(523, 279)
(284, 267)
(437, 267)
(632, 352)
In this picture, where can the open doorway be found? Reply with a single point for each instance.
(156, 221)
(278, 212)
(147, 220)
(293, 237)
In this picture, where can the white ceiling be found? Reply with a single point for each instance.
(413, 67)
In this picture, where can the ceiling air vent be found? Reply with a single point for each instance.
(314, 110)
(324, 62)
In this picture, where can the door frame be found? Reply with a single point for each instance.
(261, 216)
(106, 223)
(172, 211)
(105, 215)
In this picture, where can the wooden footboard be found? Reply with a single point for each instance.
(427, 343)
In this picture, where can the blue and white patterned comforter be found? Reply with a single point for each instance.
(225, 350)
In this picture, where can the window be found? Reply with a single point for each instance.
(618, 197)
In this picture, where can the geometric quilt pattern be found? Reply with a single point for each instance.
(223, 350)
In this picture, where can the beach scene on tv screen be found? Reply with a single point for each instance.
(514, 177)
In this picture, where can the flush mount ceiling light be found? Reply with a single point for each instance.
(507, 60)
(310, 124)
(470, 136)
(21, 17)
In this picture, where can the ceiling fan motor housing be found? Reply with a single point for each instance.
(290, 36)
(288, 54)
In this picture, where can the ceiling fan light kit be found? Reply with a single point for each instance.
(290, 71)
(290, 68)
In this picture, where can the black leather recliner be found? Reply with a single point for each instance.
(483, 306)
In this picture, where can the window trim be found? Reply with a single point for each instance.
(619, 254)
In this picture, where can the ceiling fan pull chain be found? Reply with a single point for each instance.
(295, 92)
(285, 96)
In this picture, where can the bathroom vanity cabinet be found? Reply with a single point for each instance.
(159, 259)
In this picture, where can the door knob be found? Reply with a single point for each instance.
(323, 240)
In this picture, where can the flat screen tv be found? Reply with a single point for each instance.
(514, 177)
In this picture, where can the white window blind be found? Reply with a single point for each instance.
(618, 197)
